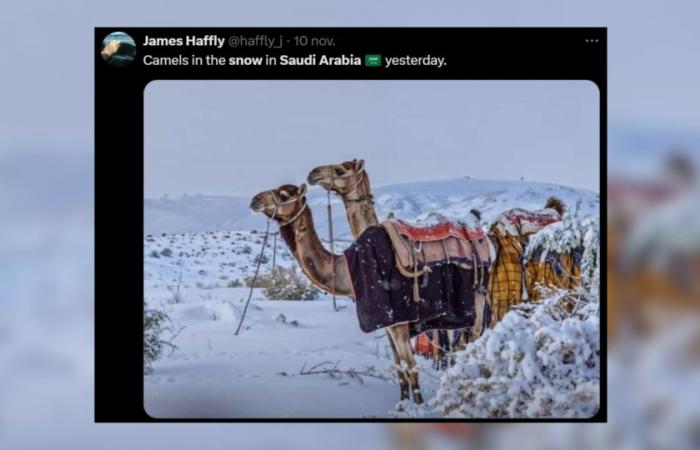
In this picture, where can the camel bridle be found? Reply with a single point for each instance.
(278, 203)
(344, 196)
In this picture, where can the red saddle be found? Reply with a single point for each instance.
(536, 218)
(438, 231)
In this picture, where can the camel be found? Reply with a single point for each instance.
(110, 49)
(351, 182)
(511, 231)
(287, 206)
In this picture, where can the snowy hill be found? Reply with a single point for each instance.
(190, 213)
(454, 197)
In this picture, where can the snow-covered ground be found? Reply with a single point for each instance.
(257, 373)
(198, 279)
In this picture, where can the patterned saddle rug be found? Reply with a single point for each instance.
(437, 231)
(521, 222)
(444, 243)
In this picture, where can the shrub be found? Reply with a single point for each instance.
(234, 283)
(155, 324)
(286, 284)
(263, 281)
(166, 252)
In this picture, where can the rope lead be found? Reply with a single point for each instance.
(330, 238)
(255, 277)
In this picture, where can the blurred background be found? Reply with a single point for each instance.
(46, 233)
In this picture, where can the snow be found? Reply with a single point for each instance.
(214, 374)
(539, 361)
(198, 279)
(565, 236)
(257, 373)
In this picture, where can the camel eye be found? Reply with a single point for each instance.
(284, 194)
(339, 171)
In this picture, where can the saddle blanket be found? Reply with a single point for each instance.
(437, 231)
(521, 222)
(444, 243)
(384, 297)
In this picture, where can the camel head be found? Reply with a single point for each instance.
(340, 178)
(283, 204)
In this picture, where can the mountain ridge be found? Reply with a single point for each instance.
(411, 201)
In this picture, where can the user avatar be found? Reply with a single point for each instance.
(118, 49)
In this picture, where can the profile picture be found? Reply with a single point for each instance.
(118, 49)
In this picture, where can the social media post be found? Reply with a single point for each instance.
(118, 49)
(316, 232)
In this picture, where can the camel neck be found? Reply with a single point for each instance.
(359, 208)
(315, 260)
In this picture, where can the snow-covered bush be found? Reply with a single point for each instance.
(540, 360)
(566, 236)
(286, 284)
(156, 323)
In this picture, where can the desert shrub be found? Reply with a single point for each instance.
(286, 284)
(234, 283)
(166, 252)
(262, 281)
(156, 324)
(540, 360)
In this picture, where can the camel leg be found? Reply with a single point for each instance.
(403, 378)
(461, 344)
(480, 305)
(402, 339)
(437, 351)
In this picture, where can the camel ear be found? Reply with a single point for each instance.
(359, 164)
(302, 189)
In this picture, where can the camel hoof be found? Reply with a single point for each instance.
(417, 398)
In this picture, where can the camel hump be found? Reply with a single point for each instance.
(556, 204)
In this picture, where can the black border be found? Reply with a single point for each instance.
(472, 54)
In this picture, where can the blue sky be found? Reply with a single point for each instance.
(240, 137)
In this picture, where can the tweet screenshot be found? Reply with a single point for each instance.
(350, 224)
